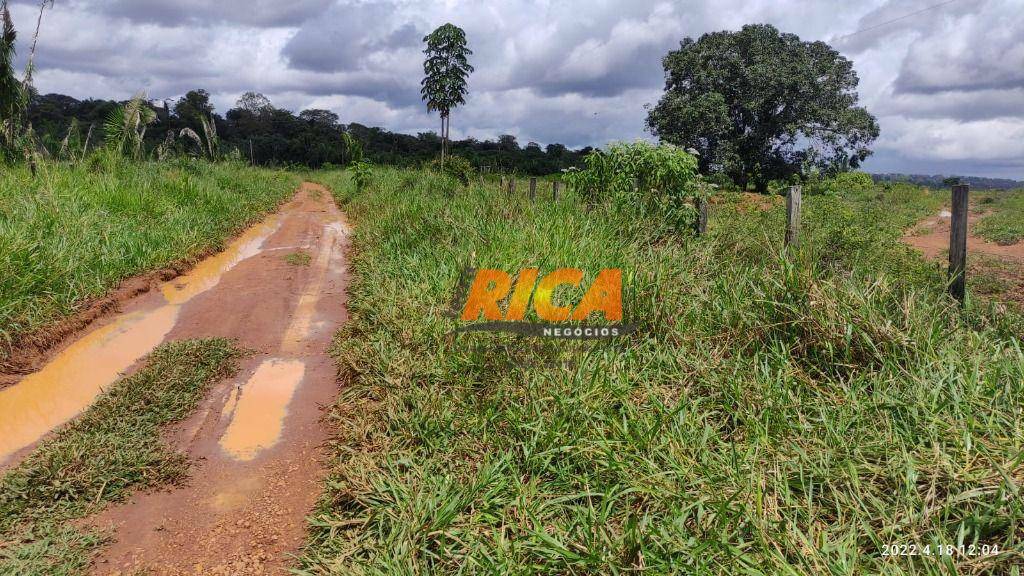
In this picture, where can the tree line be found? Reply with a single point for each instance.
(256, 130)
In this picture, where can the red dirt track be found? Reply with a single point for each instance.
(255, 439)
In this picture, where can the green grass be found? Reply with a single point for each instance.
(770, 415)
(113, 448)
(1005, 223)
(298, 258)
(75, 232)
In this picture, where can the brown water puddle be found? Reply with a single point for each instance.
(76, 376)
(257, 410)
(208, 273)
(73, 380)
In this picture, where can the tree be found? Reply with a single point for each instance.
(195, 104)
(15, 97)
(555, 150)
(273, 136)
(319, 117)
(759, 105)
(253, 102)
(10, 88)
(507, 143)
(445, 71)
(125, 126)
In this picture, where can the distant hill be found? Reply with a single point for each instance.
(937, 181)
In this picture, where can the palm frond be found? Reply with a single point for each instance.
(125, 126)
(190, 133)
(10, 89)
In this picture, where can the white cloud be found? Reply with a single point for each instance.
(946, 83)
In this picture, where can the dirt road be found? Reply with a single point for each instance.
(279, 290)
(931, 237)
(1004, 264)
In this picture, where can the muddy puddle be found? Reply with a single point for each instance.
(76, 376)
(256, 410)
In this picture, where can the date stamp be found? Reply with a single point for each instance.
(911, 549)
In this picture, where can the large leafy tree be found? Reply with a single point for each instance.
(253, 102)
(759, 105)
(194, 108)
(445, 71)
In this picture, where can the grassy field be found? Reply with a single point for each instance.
(112, 449)
(771, 414)
(1003, 222)
(75, 232)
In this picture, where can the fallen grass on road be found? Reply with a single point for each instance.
(112, 449)
(76, 231)
(770, 415)
(298, 258)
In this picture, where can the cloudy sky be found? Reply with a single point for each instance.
(946, 83)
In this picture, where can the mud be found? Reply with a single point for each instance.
(75, 376)
(29, 352)
(255, 440)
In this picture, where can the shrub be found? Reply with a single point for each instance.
(361, 173)
(642, 175)
(842, 184)
(455, 167)
(722, 181)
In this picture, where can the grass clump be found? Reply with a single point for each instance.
(112, 449)
(770, 414)
(76, 231)
(298, 258)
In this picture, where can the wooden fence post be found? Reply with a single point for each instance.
(502, 185)
(511, 185)
(701, 225)
(554, 190)
(793, 217)
(533, 189)
(958, 243)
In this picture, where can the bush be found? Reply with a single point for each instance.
(722, 181)
(361, 172)
(842, 184)
(643, 175)
(455, 167)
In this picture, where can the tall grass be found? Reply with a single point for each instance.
(76, 231)
(772, 414)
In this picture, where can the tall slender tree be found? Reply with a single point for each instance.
(445, 71)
